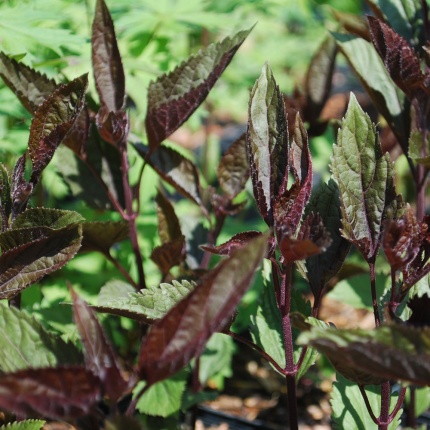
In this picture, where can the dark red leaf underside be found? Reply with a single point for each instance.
(169, 254)
(168, 224)
(175, 96)
(30, 86)
(99, 356)
(399, 58)
(52, 121)
(238, 241)
(59, 393)
(107, 64)
(78, 135)
(181, 335)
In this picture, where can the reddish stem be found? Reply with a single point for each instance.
(374, 297)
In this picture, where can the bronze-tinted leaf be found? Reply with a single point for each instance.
(107, 64)
(76, 139)
(233, 170)
(183, 332)
(267, 138)
(21, 189)
(101, 235)
(52, 121)
(60, 393)
(238, 241)
(175, 169)
(5, 197)
(168, 224)
(399, 58)
(30, 86)
(99, 356)
(26, 263)
(169, 254)
(172, 98)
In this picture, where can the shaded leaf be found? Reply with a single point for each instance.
(30, 86)
(322, 267)
(101, 235)
(60, 393)
(266, 329)
(163, 398)
(233, 170)
(45, 217)
(24, 425)
(5, 197)
(168, 223)
(106, 59)
(99, 355)
(25, 343)
(183, 332)
(370, 69)
(365, 178)
(26, 263)
(238, 241)
(113, 126)
(419, 148)
(402, 239)
(169, 254)
(399, 58)
(312, 239)
(148, 304)
(76, 139)
(172, 98)
(52, 121)
(397, 352)
(318, 79)
(267, 139)
(21, 189)
(176, 170)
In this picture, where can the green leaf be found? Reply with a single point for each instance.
(24, 425)
(365, 178)
(44, 217)
(266, 329)
(24, 343)
(30, 86)
(149, 304)
(163, 398)
(419, 148)
(322, 267)
(27, 262)
(349, 409)
(172, 98)
(102, 235)
(114, 290)
(373, 75)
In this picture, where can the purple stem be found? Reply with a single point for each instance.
(374, 298)
(384, 418)
(366, 402)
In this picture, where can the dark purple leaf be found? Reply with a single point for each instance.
(172, 98)
(59, 393)
(398, 352)
(52, 121)
(28, 262)
(233, 170)
(113, 126)
(30, 86)
(318, 80)
(21, 189)
(238, 241)
(78, 135)
(181, 335)
(399, 58)
(5, 197)
(267, 138)
(175, 169)
(99, 356)
(322, 267)
(288, 207)
(101, 235)
(420, 311)
(312, 239)
(168, 224)
(107, 65)
(169, 254)
(402, 239)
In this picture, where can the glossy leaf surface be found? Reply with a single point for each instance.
(172, 98)
(183, 332)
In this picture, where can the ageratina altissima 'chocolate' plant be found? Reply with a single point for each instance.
(311, 229)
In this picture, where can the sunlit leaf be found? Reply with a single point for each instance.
(148, 304)
(24, 425)
(46, 217)
(106, 59)
(238, 241)
(24, 343)
(52, 121)
(183, 332)
(172, 98)
(365, 178)
(99, 355)
(30, 86)
(60, 393)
